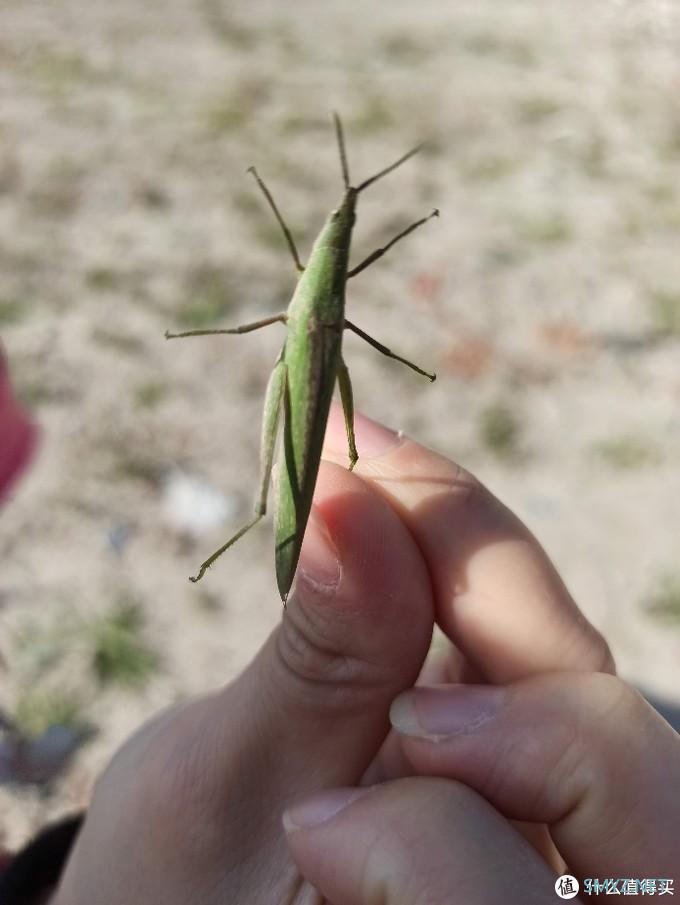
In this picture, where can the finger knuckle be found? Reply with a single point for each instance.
(313, 656)
(602, 704)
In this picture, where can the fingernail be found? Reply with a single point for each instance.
(320, 808)
(441, 712)
(319, 560)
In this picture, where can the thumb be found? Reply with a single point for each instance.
(315, 701)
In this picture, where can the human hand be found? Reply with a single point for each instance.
(190, 808)
(583, 753)
(579, 751)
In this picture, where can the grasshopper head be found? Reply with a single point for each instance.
(340, 221)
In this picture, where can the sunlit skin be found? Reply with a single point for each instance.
(192, 807)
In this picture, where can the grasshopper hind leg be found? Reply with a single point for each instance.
(216, 555)
(347, 397)
(388, 352)
(270, 423)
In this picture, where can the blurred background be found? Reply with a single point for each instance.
(546, 298)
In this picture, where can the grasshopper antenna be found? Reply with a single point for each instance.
(397, 163)
(299, 266)
(341, 147)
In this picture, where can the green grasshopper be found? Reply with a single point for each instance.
(302, 382)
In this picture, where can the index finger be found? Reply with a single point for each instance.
(497, 595)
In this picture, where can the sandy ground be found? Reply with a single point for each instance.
(547, 298)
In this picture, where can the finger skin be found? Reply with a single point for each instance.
(584, 753)
(496, 592)
(415, 842)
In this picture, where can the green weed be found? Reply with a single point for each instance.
(208, 298)
(226, 27)
(405, 49)
(488, 168)
(374, 115)
(500, 430)
(626, 452)
(549, 229)
(12, 311)
(136, 466)
(103, 279)
(664, 602)
(535, 109)
(39, 708)
(121, 655)
(665, 311)
(119, 341)
(514, 50)
(150, 394)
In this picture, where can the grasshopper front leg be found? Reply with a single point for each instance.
(379, 252)
(270, 422)
(244, 328)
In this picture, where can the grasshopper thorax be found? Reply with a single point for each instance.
(337, 230)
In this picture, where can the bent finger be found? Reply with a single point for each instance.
(585, 754)
(413, 841)
(497, 595)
